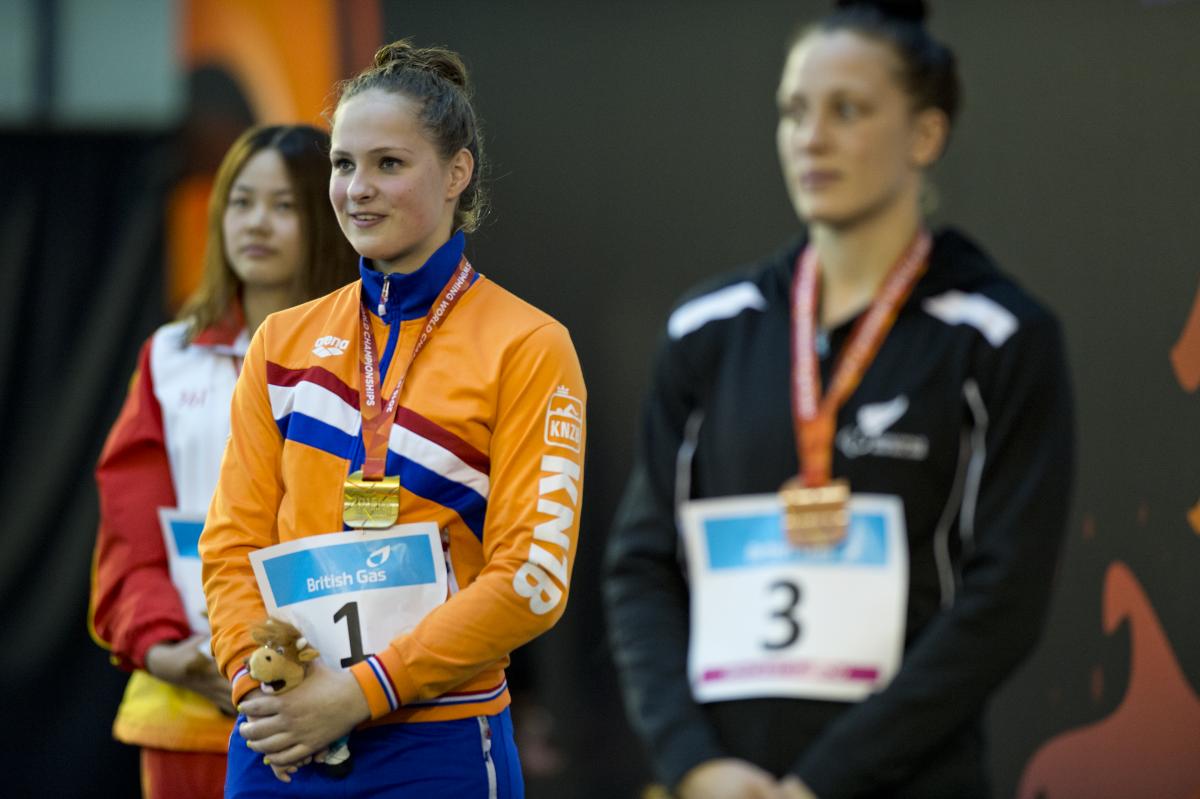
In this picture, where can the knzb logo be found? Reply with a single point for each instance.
(329, 345)
(564, 420)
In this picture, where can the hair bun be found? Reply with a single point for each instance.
(907, 10)
(438, 60)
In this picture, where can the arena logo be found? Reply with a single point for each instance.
(869, 435)
(326, 346)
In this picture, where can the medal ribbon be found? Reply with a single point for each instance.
(814, 417)
(377, 421)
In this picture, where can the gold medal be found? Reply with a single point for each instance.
(816, 516)
(371, 504)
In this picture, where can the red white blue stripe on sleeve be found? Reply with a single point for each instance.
(464, 697)
(237, 677)
(385, 681)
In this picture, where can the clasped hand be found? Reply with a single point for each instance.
(289, 729)
(182, 663)
(730, 778)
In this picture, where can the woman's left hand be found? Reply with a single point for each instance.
(293, 726)
(792, 787)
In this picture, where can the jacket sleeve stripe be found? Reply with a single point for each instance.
(242, 684)
(723, 303)
(989, 317)
(385, 681)
(464, 697)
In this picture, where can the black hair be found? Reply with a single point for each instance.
(929, 70)
(328, 260)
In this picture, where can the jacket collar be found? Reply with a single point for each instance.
(956, 262)
(411, 296)
(228, 335)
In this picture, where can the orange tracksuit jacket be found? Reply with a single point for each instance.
(488, 443)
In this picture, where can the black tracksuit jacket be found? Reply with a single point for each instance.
(982, 457)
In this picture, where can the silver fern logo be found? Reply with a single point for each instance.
(869, 436)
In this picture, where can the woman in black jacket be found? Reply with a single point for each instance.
(873, 352)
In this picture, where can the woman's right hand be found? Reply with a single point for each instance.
(292, 727)
(728, 778)
(182, 663)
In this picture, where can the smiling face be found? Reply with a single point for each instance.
(850, 144)
(393, 193)
(261, 224)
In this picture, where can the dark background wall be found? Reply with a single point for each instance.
(633, 154)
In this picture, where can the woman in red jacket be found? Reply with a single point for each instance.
(272, 242)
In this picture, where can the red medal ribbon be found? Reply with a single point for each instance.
(814, 416)
(377, 421)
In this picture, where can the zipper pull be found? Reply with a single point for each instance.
(383, 298)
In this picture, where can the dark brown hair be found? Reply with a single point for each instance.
(328, 261)
(435, 78)
(929, 70)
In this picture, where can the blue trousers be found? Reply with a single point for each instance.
(461, 759)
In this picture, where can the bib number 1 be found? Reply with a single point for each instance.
(354, 592)
(349, 612)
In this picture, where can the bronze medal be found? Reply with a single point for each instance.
(816, 507)
(815, 517)
(371, 504)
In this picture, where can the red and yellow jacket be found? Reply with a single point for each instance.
(488, 444)
(163, 451)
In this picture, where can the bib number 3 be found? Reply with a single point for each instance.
(785, 613)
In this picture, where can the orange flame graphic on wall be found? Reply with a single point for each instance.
(1150, 745)
(284, 57)
(1185, 361)
(1185, 355)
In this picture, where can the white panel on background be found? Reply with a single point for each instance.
(112, 64)
(117, 64)
(16, 61)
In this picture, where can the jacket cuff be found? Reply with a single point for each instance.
(826, 781)
(385, 685)
(682, 751)
(242, 684)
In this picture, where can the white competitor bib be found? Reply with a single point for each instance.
(771, 619)
(181, 535)
(351, 593)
